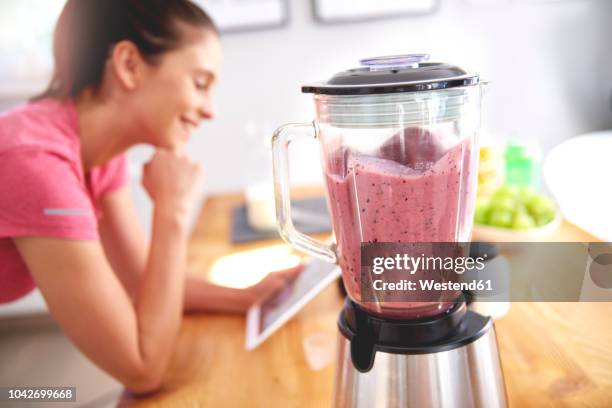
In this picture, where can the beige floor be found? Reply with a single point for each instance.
(34, 352)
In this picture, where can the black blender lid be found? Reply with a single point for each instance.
(394, 74)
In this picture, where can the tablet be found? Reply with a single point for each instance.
(269, 315)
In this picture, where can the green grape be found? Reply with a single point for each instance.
(500, 218)
(522, 220)
(520, 208)
(540, 205)
(503, 203)
(506, 191)
(481, 212)
(526, 193)
(515, 207)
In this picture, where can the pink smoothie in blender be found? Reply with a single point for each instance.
(399, 148)
(413, 189)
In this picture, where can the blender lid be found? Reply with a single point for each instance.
(394, 74)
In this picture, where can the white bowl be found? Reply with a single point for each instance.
(576, 172)
(488, 233)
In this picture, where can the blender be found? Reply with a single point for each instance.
(399, 148)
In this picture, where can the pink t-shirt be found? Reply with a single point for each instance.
(43, 189)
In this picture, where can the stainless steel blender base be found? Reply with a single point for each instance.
(464, 377)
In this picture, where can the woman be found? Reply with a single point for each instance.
(126, 72)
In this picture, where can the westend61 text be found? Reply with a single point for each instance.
(423, 284)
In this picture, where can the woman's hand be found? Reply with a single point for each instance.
(172, 180)
(272, 283)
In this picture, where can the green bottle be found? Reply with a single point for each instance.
(522, 166)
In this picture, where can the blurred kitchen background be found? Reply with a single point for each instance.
(549, 64)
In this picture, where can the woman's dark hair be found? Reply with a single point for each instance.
(87, 30)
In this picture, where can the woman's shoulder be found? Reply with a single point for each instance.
(46, 124)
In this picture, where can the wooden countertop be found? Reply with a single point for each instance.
(553, 354)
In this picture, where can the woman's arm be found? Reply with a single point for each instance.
(132, 342)
(125, 246)
(122, 238)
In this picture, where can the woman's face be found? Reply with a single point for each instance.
(175, 94)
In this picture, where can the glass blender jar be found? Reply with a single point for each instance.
(399, 148)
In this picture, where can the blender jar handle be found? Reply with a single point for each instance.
(281, 139)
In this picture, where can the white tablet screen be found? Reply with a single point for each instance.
(267, 316)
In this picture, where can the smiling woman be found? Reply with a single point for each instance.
(126, 72)
(164, 54)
